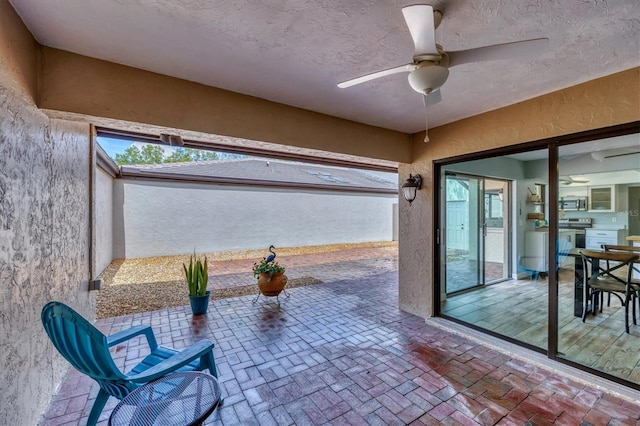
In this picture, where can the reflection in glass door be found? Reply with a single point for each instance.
(464, 236)
(543, 306)
(598, 187)
(496, 230)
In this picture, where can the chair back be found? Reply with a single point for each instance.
(621, 258)
(83, 345)
(628, 249)
(625, 249)
(614, 256)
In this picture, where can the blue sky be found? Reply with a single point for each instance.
(113, 146)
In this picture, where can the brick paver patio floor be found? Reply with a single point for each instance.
(326, 266)
(343, 353)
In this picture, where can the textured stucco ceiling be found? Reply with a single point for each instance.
(295, 51)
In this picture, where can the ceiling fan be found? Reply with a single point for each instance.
(568, 180)
(429, 68)
(613, 153)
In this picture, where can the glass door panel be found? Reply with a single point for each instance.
(496, 235)
(464, 236)
(504, 245)
(591, 175)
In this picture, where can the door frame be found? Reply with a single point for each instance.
(551, 144)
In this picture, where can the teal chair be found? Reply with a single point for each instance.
(534, 266)
(87, 349)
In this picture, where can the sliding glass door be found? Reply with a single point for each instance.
(494, 267)
(465, 231)
(535, 210)
(599, 207)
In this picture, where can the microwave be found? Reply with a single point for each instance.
(574, 204)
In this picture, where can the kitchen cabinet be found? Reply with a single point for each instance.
(573, 192)
(596, 238)
(602, 198)
(536, 251)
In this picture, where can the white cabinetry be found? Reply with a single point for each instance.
(602, 198)
(536, 251)
(596, 238)
(573, 192)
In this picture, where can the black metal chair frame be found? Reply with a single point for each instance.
(623, 249)
(602, 280)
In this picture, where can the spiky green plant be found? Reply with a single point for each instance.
(197, 275)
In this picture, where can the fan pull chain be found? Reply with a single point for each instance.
(426, 124)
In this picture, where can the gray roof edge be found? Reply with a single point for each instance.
(133, 173)
(283, 171)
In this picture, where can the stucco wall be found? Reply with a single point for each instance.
(154, 218)
(105, 89)
(43, 228)
(596, 104)
(103, 224)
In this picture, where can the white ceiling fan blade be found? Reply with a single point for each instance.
(364, 78)
(432, 98)
(421, 25)
(568, 180)
(514, 50)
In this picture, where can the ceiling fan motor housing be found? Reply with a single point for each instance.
(428, 78)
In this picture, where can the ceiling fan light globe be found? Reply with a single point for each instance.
(428, 78)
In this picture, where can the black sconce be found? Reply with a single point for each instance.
(411, 187)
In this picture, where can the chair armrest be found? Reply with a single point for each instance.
(124, 335)
(177, 361)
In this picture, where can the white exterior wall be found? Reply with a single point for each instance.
(103, 225)
(155, 218)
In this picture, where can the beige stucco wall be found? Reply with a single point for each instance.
(596, 104)
(105, 89)
(43, 228)
(44, 175)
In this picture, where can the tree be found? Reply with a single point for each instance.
(154, 154)
(148, 154)
(188, 154)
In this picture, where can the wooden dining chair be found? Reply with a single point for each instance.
(609, 272)
(636, 266)
(624, 249)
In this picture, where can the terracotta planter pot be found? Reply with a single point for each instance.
(272, 286)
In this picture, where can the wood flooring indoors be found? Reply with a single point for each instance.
(518, 309)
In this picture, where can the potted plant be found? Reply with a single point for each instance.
(270, 275)
(196, 274)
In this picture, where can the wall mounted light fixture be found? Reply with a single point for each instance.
(411, 187)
